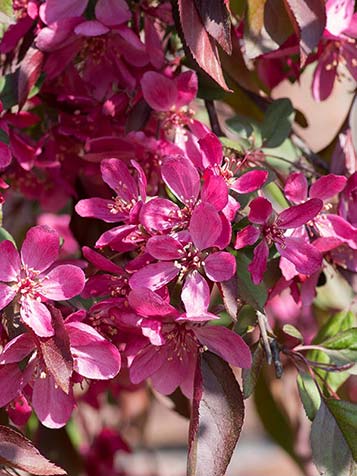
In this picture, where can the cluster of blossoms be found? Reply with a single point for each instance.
(141, 211)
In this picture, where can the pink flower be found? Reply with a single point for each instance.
(273, 230)
(92, 355)
(169, 359)
(337, 46)
(32, 278)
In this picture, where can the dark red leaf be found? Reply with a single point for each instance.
(309, 19)
(201, 46)
(16, 451)
(217, 417)
(56, 352)
(29, 72)
(229, 292)
(215, 18)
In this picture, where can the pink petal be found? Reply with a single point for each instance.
(338, 15)
(91, 28)
(225, 343)
(116, 174)
(212, 147)
(159, 215)
(100, 261)
(298, 215)
(11, 383)
(53, 10)
(324, 76)
(112, 12)
(7, 294)
(52, 406)
(205, 226)
(296, 187)
(260, 210)
(10, 263)
(225, 236)
(17, 349)
(250, 181)
(215, 191)
(195, 295)
(149, 304)
(220, 266)
(327, 186)
(154, 276)
(182, 179)
(5, 155)
(146, 362)
(168, 377)
(40, 248)
(159, 91)
(153, 43)
(246, 237)
(63, 282)
(99, 208)
(259, 264)
(164, 247)
(94, 357)
(306, 258)
(187, 86)
(37, 316)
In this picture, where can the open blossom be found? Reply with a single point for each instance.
(273, 230)
(92, 355)
(338, 45)
(175, 340)
(31, 277)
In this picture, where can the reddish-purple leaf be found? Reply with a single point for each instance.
(202, 47)
(16, 451)
(217, 417)
(215, 18)
(309, 19)
(229, 292)
(29, 72)
(56, 352)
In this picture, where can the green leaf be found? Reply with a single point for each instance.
(343, 340)
(8, 90)
(309, 394)
(293, 332)
(255, 295)
(277, 122)
(338, 322)
(6, 7)
(240, 146)
(247, 318)
(250, 376)
(4, 137)
(330, 451)
(345, 414)
(5, 235)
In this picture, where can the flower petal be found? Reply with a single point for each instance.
(306, 258)
(196, 297)
(101, 208)
(250, 181)
(296, 187)
(187, 86)
(220, 266)
(154, 276)
(94, 357)
(159, 214)
(146, 362)
(159, 91)
(17, 349)
(36, 315)
(63, 282)
(116, 174)
(225, 343)
(298, 215)
(164, 247)
(259, 264)
(52, 406)
(327, 186)
(149, 304)
(112, 12)
(246, 237)
(215, 191)
(182, 179)
(7, 294)
(11, 383)
(40, 248)
(205, 226)
(260, 210)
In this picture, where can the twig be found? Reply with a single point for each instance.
(213, 118)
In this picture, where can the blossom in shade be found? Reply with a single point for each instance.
(31, 277)
(273, 230)
(175, 340)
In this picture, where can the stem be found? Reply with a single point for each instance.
(262, 323)
(213, 118)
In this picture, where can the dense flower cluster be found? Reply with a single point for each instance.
(140, 211)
